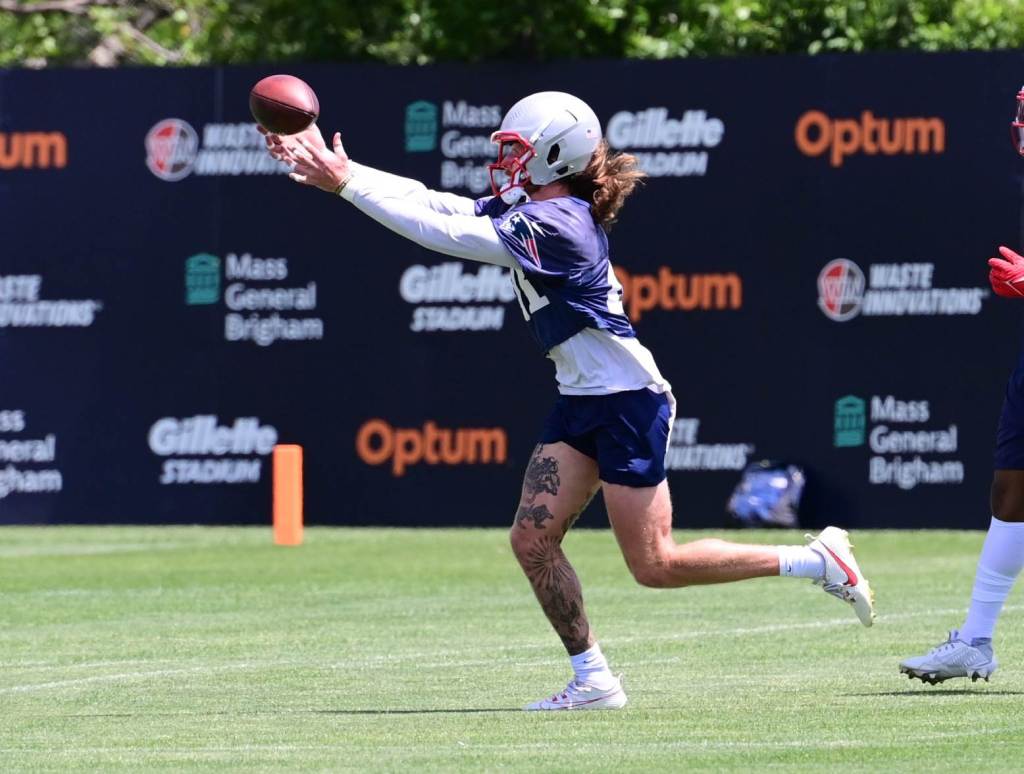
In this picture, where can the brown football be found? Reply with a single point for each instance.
(283, 104)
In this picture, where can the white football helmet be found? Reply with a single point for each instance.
(543, 137)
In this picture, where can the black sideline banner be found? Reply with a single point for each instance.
(807, 264)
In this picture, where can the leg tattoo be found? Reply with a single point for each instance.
(558, 591)
(541, 476)
(538, 514)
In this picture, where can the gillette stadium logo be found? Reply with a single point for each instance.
(174, 151)
(200, 450)
(446, 297)
(666, 146)
(891, 290)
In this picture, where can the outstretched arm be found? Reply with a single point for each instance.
(394, 186)
(463, 236)
(440, 222)
(399, 187)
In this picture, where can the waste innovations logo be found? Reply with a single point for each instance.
(21, 305)
(379, 443)
(685, 452)
(24, 460)
(663, 145)
(255, 312)
(891, 290)
(33, 150)
(200, 450)
(420, 127)
(173, 151)
(902, 435)
(461, 131)
(447, 297)
(669, 291)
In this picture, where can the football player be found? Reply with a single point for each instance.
(967, 651)
(557, 190)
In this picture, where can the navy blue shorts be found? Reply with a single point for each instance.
(1010, 435)
(626, 432)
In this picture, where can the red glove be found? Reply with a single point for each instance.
(1007, 276)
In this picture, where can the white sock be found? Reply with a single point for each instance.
(801, 562)
(590, 667)
(1001, 560)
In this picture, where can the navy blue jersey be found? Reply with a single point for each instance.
(563, 278)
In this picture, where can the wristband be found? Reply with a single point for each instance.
(342, 184)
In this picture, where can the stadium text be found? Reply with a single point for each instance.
(204, 435)
(651, 135)
(450, 282)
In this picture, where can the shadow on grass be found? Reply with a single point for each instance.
(926, 692)
(467, 711)
(459, 711)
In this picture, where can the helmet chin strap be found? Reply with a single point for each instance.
(514, 192)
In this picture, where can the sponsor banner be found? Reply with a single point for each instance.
(461, 133)
(675, 292)
(667, 143)
(22, 305)
(400, 448)
(28, 457)
(687, 453)
(175, 150)
(891, 290)
(200, 450)
(259, 310)
(837, 139)
(784, 298)
(33, 150)
(908, 445)
(456, 296)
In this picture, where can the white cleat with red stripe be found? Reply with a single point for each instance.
(583, 696)
(843, 578)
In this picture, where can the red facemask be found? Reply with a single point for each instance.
(509, 172)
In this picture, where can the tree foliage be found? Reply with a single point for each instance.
(111, 32)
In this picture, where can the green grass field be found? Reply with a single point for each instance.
(127, 649)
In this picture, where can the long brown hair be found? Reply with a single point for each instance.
(607, 181)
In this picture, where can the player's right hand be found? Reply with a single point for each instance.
(1006, 274)
(283, 147)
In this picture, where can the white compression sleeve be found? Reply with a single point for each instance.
(399, 187)
(463, 236)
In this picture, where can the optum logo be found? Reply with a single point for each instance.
(816, 134)
(33, 150)
(377, 442)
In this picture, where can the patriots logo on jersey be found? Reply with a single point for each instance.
(525, 232)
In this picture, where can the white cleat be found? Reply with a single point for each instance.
(953, 658)
(583, 696)
(843, 578)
